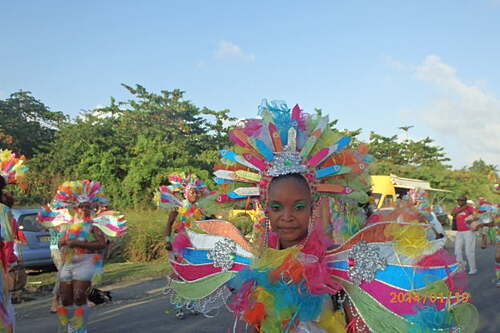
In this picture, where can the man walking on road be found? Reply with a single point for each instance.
(465, 236)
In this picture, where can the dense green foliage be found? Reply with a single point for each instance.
(26, 124)
(131, 146)
(406, 152)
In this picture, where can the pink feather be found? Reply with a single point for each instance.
(181, 242)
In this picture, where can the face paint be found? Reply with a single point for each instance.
(275, 206)
(300, 206)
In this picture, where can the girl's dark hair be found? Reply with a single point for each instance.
(5, 197)
(3, 183)
(295, 176)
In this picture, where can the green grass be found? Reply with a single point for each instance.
(113, 273)
(144, 240)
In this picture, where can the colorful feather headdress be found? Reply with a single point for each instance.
(12, 167)
(74, 193)
(286, 141)
(166, 197)
(111, 223)
(180, 182)
(289, 141)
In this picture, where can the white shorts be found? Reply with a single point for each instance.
(82, 267)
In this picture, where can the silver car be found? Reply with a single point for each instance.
(35, 254)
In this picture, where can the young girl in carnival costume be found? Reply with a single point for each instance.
(486, 214)
(83, 236)
(182, 213)
(12, 171)
(385, 277)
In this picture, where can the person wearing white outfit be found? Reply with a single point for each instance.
(465, 238)
(437, 228)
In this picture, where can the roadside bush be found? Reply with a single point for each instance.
(144, 238)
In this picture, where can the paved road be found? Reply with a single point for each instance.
(140, 308)
(135, 308)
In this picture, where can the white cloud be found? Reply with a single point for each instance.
(395, 64)
(98, 111)
(463, 111)
(229, 50)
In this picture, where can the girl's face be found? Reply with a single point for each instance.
(84, 210)
(191, 195)
(289, 210)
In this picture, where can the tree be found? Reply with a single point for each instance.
(407, 152)
(132, 146)
(482, 167)
(26, 124)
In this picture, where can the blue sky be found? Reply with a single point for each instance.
(376, 65)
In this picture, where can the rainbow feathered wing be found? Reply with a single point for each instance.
(399, 281)
(205, 262)
(72, 194)
(111, 223)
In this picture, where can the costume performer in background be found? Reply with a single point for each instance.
(422, 202)
(12, 171)
(298, 279)
(486, 215)
(495, 225)
(488, 218)
(182, 213)
(83, 237)
(466, 238)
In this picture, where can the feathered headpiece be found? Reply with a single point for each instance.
(12, 167)
(179, 182)
(72, 194)
(287, 141)
(75, 193)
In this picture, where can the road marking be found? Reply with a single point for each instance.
(155, 291)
